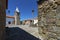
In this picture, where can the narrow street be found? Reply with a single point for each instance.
(22, 32)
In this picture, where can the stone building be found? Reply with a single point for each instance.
(3, 7)
(32, 22)
(27, 22)
(49, 19)
(15, 18)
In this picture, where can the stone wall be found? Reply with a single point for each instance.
(49, 19)
(2, 23)
(2, 19)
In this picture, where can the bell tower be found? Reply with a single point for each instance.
(17, 16)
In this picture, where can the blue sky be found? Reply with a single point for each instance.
(25, 8)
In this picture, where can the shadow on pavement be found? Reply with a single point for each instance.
(16, 33)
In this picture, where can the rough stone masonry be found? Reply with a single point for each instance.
(49, 19)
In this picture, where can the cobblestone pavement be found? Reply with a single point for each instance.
(31, 30)
(26, 32)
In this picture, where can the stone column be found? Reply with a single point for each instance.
(49, 19)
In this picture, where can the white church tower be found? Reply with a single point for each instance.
(17, 16)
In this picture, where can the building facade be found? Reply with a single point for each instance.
(31, 22)
(15, 20)
(49, 19)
